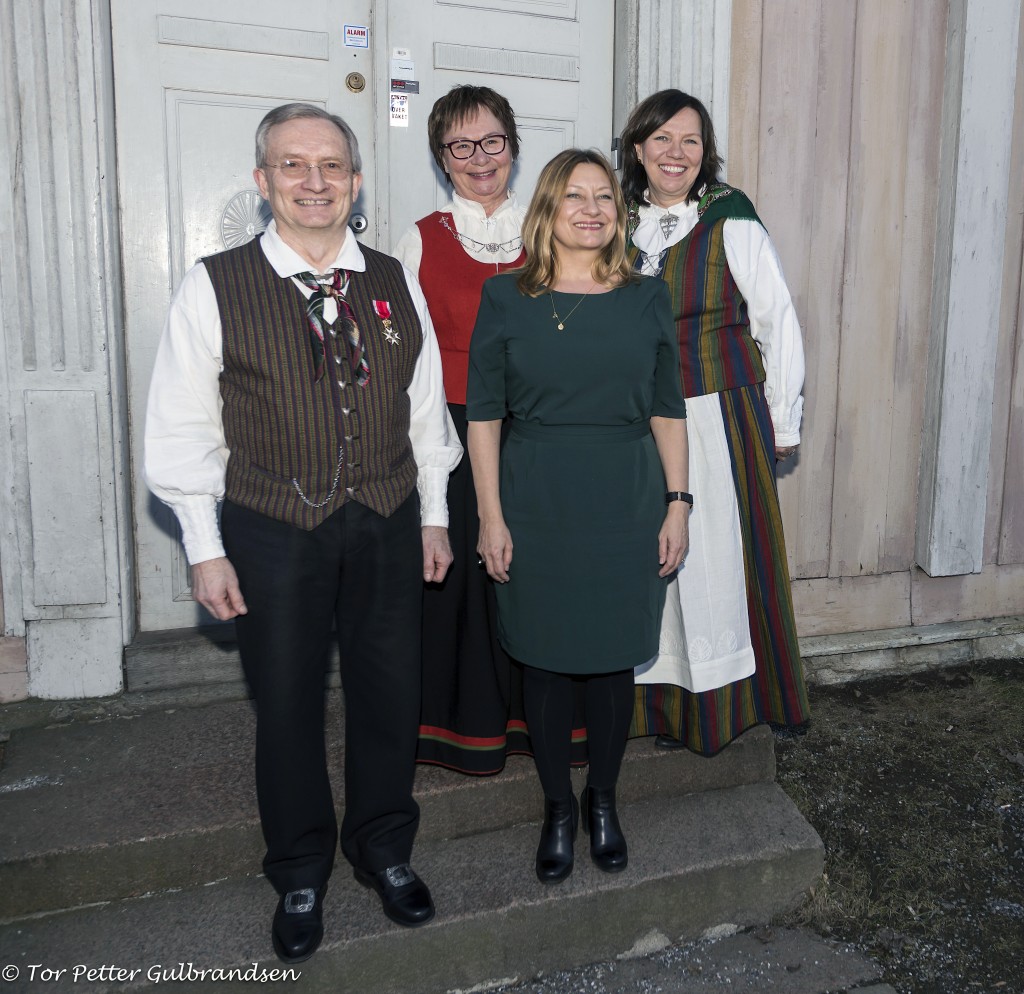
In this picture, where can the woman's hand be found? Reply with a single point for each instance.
(674, 537)
(495, 549)
(784, 451)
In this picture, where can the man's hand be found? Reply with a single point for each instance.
(215, 586)
(437, 553)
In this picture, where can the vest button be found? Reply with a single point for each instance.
(341, 383)
(337, 359)
(346, 410)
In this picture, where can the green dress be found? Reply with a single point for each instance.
(582, 487)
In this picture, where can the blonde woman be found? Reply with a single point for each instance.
(583, 513)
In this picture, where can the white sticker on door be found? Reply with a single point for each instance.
(357, 36)
(399, 110)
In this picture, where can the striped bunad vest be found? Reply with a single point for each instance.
(716, 349)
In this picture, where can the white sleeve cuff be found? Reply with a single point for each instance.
(200, 529)
(432, 485)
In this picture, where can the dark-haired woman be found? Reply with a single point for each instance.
(471, 713)
(734, 661)
(583, 512)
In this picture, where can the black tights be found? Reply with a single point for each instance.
(548, 702)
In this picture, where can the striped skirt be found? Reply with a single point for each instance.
(776, 692)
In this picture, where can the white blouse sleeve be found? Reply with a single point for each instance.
(755, 266)
(435, 442)
(186, 454)
(408, 250)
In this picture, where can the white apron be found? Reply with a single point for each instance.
(705, 631)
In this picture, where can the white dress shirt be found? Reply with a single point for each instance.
(755, 266)
(186, 452)
(502, 229)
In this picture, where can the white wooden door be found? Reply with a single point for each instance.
(194, 77)
(552, 59)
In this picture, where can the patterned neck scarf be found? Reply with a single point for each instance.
(336, 286)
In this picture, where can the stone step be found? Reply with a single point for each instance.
(739, 855)
(183, 658)
(122, 806)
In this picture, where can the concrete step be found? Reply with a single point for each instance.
(119, 807)
(182, 658)
(738, 855)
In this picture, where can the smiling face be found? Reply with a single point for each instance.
(671, 156)
(586, 218)
(311, 203)
(482, 178)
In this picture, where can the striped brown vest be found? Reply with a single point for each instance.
(300, 449)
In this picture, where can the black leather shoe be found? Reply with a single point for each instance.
(554, 853)
(405, 898)
(298, 924)
(607, 843)
(667, 742)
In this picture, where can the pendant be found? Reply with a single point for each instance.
(561, 327)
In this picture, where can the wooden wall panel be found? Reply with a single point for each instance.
(835, 123)
(745, 95)
(1004, 525)
(927, 45)
(1011, 531)
(833, 605)
(994, 592)
(786, 148)
(878, 162)
(809, 483)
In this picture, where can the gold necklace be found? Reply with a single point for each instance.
(554, 314)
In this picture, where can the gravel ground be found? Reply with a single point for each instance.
(916, 786)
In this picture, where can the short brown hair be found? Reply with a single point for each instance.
(460, 103)
(540, 272)
(647, 117)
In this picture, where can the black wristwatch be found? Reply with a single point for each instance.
(679, 495)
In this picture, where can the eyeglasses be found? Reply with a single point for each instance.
(299, 168)
(465, 148)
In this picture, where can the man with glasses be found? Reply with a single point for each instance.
(298, 380)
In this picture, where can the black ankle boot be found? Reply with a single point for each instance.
(554, 854)
(607, 843)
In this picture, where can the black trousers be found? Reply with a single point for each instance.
(362, 573)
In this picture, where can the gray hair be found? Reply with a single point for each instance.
(292, 112)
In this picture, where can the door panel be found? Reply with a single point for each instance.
(552, 59)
